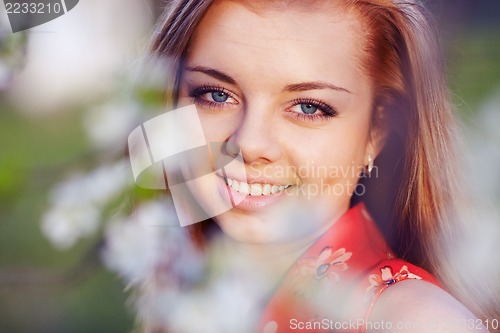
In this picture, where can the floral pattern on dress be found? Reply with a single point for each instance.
(387, 278)
(324, 269)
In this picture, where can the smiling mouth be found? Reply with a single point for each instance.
(255, 189)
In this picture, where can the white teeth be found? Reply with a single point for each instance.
(235, 185)
(255, 189)
(267, 189)
(275, 189)
(244, 188)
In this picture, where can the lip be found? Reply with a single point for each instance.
(246, 202)
(251, 180)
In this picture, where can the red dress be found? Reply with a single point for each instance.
(332, 287)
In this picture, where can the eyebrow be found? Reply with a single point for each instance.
(303, 86)
(213, 73)
(315, 85)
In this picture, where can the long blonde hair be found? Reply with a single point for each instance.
(403, 59)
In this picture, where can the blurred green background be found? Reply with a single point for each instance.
(43, 289)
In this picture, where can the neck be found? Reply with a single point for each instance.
(270, 260)
(255, 270)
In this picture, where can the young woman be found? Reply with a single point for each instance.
(338, 108)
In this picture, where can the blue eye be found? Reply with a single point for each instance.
(308, 108)
(210, 96)
(219, 96)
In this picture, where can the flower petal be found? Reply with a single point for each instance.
(386, 273)
(325, 254)
(414, 276)
(344, 257)
(375, 280)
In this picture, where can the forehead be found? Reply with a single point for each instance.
(314, 40)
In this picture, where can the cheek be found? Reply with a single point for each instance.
(216, 127)
(330, 156)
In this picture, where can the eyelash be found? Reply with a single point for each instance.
(196, 93)
(327, 111)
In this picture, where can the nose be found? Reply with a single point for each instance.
(256, 136)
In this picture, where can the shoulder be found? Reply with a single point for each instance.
(420, 306)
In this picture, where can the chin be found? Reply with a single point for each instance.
(249, 228)
(286, 223)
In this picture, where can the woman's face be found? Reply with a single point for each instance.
(285, 85)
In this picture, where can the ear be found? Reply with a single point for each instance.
(378, 133)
